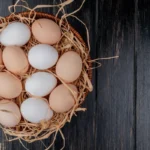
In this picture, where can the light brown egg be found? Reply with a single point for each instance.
(1, 60)
(46, 31)
(15, 60)
(10, 114)
(10, 86)
(69, 66)
(61, 99)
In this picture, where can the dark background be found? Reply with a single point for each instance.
(118, 115)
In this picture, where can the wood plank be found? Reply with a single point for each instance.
(142, 46)
(115, 122)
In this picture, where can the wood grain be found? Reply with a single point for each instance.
(142, 45)
(115, 120)
(118, 109)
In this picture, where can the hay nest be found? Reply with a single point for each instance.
(70, 41)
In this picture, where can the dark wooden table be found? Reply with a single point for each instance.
(118, 115)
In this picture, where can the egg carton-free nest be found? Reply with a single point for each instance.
(70, 41)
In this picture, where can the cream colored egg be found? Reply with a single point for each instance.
(46, 31)
(10, 86)
(10, 114)
(1, 60)
(61, 99)
(69, 66)
(15, 60)
(36, 110)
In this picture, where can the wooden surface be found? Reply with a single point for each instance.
(118, 115)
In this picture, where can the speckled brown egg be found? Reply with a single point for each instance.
(10, 86)
(10, 114)
(69, 66)
(15, 60)
(1, 60)
(61, 99)
(46, 31)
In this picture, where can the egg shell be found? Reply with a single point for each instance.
(40, 84)
(69, 66)
(61, 99)
(10, 86)
(15, 60)
(1, 60)
(35, 110)
(10, 114)
(46, 31)
(15, 34)
(42, 56)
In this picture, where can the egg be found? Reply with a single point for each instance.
(15, 60)
(1, 60)
(69, 66)
(10, 114)
(61, 99)
(36, 110)
(42, 56)
(46, 31)
(40, 84)
(15, 33)
(10, 86)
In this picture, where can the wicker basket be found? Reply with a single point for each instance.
(48, 16)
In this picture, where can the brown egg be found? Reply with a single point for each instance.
(69, 66)
(61, 99)
(10, 86)
(46, 31)
(10, 114)
(15, 60)
(1, 60)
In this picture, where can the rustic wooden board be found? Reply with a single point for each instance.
(110, 121)
(115, 120)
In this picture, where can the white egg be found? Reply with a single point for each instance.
(35, 110)
(40, 84)
(42, 56)
(15, 34)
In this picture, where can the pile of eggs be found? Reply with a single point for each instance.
(46, 94)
